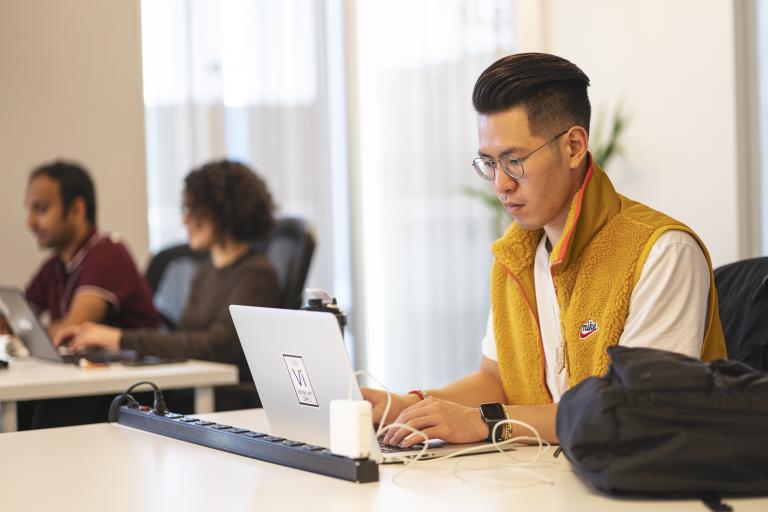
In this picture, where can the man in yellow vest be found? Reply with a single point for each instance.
(581, 267)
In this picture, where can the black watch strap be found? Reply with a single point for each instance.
(499, 432)
(492, 414)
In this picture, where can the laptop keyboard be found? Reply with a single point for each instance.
(388, 448)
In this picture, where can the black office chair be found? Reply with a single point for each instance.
(169, 275)
(289, 248)
(742, 294)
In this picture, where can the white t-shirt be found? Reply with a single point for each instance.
(667, 308)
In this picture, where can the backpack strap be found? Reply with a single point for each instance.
(715, 503)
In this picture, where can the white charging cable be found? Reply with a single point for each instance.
(408, 461)
(383, 427)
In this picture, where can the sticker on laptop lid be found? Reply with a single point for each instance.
(300, 380)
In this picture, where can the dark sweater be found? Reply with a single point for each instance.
(206, 330)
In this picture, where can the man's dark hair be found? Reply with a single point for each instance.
(73, 181)
(552, 90)
(233, 197)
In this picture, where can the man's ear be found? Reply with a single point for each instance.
(578, 141)
(76, 209)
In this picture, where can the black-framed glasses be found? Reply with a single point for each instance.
(511, 165)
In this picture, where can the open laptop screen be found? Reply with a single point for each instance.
(25, 324)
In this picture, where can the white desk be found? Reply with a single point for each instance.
(100, 467)
(35, 379)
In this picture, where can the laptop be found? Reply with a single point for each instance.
(299, 364)
(25, 325)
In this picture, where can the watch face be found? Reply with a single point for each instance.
(492, 411)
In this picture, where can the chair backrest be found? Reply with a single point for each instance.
(169, 275)
(742, 294)
(290, 249)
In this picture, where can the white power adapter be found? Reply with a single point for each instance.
(351, 424)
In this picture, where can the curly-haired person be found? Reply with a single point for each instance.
(225, 206)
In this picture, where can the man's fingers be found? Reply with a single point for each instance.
(76, 344)
(405, 417)
(391, 432)
(75, 347)
(399, 434)
(81, 342)
(64, 334)
(81, 338)
(430, 432)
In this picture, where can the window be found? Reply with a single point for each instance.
(240, 80)
(424, 245)
(366, 131)
(761, 19)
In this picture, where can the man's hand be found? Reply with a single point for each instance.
(440, 419)
(378, 399)
(88, 334)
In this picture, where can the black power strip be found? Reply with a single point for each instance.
(256, 445)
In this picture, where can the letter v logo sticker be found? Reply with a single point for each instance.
(300, 380)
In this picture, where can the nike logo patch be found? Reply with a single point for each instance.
(588, 328)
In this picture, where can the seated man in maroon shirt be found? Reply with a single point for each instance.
(90, 276)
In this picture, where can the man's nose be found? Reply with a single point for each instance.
(31, 220)
(503, 184)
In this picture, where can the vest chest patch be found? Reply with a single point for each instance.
(588, 328)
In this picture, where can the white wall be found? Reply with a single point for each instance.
(672, 65)
(70, 86)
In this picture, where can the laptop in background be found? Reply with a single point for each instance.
(299, 364)
(26, 326)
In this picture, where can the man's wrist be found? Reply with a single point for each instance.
(419, 393)
(483, 429)
(412, 398)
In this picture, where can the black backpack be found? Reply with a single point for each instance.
(742, 295)
(667, 425)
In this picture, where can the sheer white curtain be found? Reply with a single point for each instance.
(275, 83)
(761, 8)
(422, 245)
(249, 81)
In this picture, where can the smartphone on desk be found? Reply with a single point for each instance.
(151, 360)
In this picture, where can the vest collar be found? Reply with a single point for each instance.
(591, 208)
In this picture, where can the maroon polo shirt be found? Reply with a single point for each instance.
(102, 267)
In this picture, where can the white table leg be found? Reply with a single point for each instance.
(8, 419)
(204, 399)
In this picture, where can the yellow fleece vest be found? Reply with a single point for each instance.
(595, 266)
